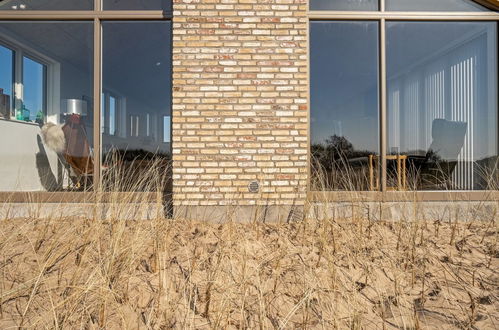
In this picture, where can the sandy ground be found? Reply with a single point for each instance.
(161, 274)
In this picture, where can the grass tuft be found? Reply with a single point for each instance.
(111, 270)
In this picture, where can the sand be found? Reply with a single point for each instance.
(162, 274)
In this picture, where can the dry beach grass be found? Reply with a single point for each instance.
(322, 272)
(349, 273)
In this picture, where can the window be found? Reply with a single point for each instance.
(166, 129)
(24, 85)
(64, 132)
(6, 81)
(442, 101)
(435, 126)
(51, 66)
(112, 115)
(34, 84)
(110, 109)
(138, 74)
(344, 119)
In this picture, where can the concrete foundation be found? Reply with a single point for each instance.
(375, 211)
(408, 211)
(146, 211)
(267, 213)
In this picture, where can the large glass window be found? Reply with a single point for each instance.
(46, 5)
(50, 66)
(58, 132)
(137, 76)
(442, 102)
(344, 105)
(428, 120)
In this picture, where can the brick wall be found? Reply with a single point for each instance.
(239, 101)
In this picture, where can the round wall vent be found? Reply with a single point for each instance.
(253, 187)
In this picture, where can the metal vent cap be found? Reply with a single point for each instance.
(253, 187)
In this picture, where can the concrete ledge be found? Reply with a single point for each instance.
(128, 211)
(148, 211)
(386, 211)
(269, 213)
(407, 211)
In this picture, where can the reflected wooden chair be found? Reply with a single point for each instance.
(400, 170)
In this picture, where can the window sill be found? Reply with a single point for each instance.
(19, 121)
(77, 197)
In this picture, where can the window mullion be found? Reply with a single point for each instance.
(97, 79)
(383, 110)
(97, 5)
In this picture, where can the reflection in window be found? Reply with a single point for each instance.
(134, 126)
(138, 73)
(6, 81)
(34, 86)
(442, 103)
(109, 113)
(47, 5)
(343, 5)
(137, 4)
(166, 129)
(51, 128)
(432, 5)
(112, 115)
(344, 105)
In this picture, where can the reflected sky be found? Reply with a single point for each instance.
(138, 76)
(145, 60)
(137, 4)
(85, 4)
(398, 5)
(343, 5)
(34, 86)
(47, 5)
(344, 82)
(433, 5)
(6, 70)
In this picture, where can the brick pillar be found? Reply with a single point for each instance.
(239, 103)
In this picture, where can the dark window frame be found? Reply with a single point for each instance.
(97, 16)
(382, 17)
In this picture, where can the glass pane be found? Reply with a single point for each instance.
(34, 80)
(433, 5)
(6, 81)
(166, 129)
(47, 5)
(137, 78)
(344, 105)
(442, 104)
(112, 115)
(137, 5)
(48, 138)
(344, 5)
